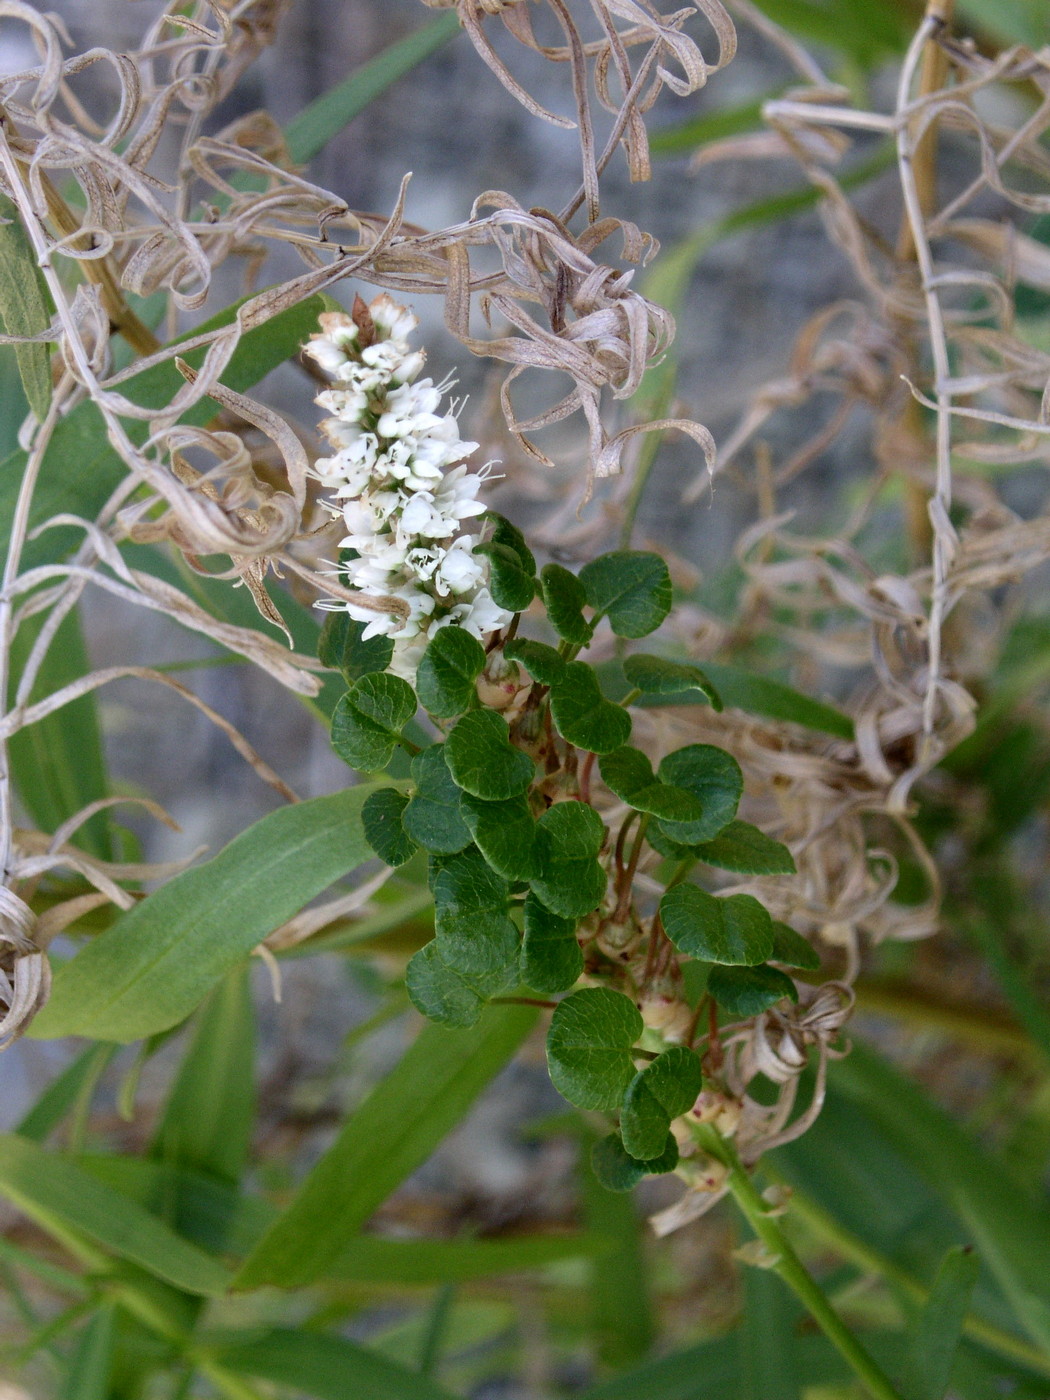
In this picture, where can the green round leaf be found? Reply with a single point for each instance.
(551, 957)
(664, 1090)
(483, 761)
(747, 991)
(433, 817)
(629, 774)
(632, 588)
(381, 817)
(791, 949)
(542, 662)
(725, 929)
(443, 994)
(564, 597)
(589, 1044)
(448, 672)
(618, 1171)
(656, 676)
(744, 849)
(568, 878)
(582, 714)
(508, 535)
(504, 832)
(475, 936)
(340, 646)
(368, 720)
(512, 586)
(713, 776)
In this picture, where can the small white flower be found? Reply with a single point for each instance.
(459, 571)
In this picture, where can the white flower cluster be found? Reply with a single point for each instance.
(397, 485)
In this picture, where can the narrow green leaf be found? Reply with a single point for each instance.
(941, 1322)
(381, 817)
(434, 816)
(81, 469)
(482, 759)
(711, 126)
(452, 996)
(741, 847)
(551, 957)
(617, 1170)
(156, 962)
(791, 949)
(25, 308)
(393, 1132)
(569, 879)
(89, 1367)
(630, 587)
(207, 1122)
(589, 1047)
(747, 991)
(58, 763)
(769, 1361)
(582, 714)
(374, 1259)
(1010, 1229)
(542, 662)
(310, 132)
(504, 832)
(757, 695)
(78, 1077)
(342, 647)
(54, 1191)
(732, 928)
(330, 1368)
(448, 672)
(876, 30)
(659, 1093)
(628, 774)
(710, 1369)
(713, 776)
(368, 721)
(564, 597)
(656, 676)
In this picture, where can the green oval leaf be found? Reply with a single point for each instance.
(474, 933)
(791, 949)
(542, 662)
(630, 587)
(433, 817)
(158, 961)
(381, 817)
(724, 929)
(656, 676)
(447, 995)
(569, 879)
(582, 714)
(551, 957)
(483, 761)
(512, 586)
(741, 847)
(664, 1090)
(368, 720)
(713, 776)
(341, 647)
(589, 1044)
(448, 672)
(629, 774)
(748, 991)
(564, 597)
(617, 1170)
(504, 832)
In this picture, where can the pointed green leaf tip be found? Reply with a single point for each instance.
(564, 597)
(655, 676)
(583, 715)
(483, 761)
(748, 991)
(589, 1047)
(569, 879)
(381, 817)
(632, 588)
(742, 848)
(617, 1170)
(725, 929)
(448, 672)
(791, 949)
(433, 817)
(368, 720)
(662, 1091)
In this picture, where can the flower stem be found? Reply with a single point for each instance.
(786, 1263)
